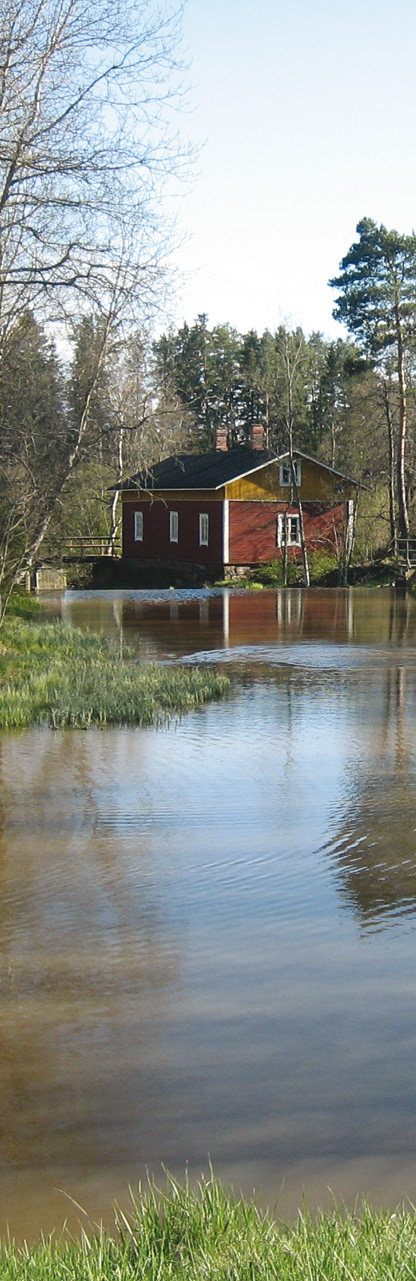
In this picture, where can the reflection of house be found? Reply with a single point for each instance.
(234, 507)
(230, 618)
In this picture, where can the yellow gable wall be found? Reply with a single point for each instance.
(317, 484)
(264, 484)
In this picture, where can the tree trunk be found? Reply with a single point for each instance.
(402, 440)
(349, 539)
(392, 479)
(305, 562)
(284, 557)
(114, 521)
(290, 420)
(333, 441)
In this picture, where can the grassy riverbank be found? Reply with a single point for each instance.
(210, 1236)
(66, 677)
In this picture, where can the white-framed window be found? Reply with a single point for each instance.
(138, 527)
(286, 477)
(173, 527)
(288, 530)
(203, 529)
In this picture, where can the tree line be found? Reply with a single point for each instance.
(350, 402)
(87, 92)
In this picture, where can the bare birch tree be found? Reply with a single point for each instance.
(83, 144)
(86, 94)
(290, 361)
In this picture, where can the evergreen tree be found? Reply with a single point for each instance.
(34, 435)
(377, 302)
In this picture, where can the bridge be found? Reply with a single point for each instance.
(406, 552)
(87, 549)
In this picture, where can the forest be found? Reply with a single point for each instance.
(339, 401)
(88, 394)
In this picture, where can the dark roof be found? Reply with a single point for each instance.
(201, 471)
(214, 469)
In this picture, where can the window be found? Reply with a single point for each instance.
(138, 527)
(288, 531)
(174, 527)
(203, 529)
(286, 477)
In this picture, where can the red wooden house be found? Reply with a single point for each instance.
(233, 508)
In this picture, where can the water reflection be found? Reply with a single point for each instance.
(87, 964)
(166, 623)
(206, 931)
(374, 844)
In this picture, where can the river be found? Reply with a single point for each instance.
(208, 930)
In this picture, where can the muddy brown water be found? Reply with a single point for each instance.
(208, 931)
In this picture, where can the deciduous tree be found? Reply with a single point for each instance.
(86, 91)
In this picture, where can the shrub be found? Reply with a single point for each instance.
(321, 564)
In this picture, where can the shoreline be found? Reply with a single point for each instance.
(62, 677)
(211, 1235)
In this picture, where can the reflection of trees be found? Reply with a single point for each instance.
(375, 844)
(179, 622)
(87, 958)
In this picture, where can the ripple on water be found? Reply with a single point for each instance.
(207, 930)
(315, 656)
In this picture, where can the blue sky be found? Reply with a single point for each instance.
(307, 115)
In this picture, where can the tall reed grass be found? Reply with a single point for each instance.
(62, 676)
(208, 1235)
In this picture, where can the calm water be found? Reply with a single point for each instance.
(208, 931)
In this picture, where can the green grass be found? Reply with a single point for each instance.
(23, 604)
(209, 1235)
(66, 677)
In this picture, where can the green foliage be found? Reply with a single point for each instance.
(226, 379)
(321, 565)
(372, 526)
(64, 677)
(22, 604)
(202, 366)
(377, 286)
(91, 369)
(210, 1235)
(32, 401)
(271, 575)
(377, 302)
(35, 439)
(84, 507)
(128, 423)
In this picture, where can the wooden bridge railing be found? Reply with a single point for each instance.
(87, 548)
(406, 548)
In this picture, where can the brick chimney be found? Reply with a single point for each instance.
(221, 438)
(257, 436)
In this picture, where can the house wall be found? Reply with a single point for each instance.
(173, 496)
(156, 542)
(317, 484)
(252, 532)
(263, 484)
(325, 530)
(253, 529)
